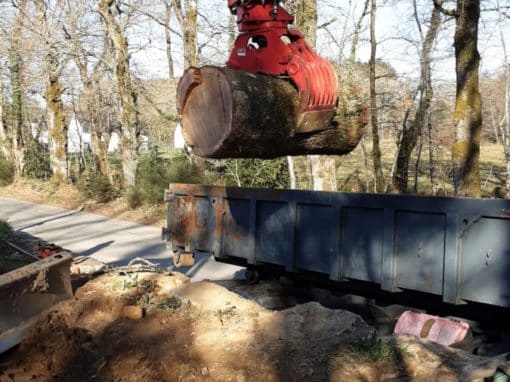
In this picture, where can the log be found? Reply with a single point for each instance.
(226, 113)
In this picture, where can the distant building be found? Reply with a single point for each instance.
(78, 140)
(114, 143)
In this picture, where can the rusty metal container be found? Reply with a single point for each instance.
(29, 292)
(454, 248)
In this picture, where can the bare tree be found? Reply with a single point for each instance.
(48, 20)
(467, 117)
(376, 151)
(186, 13)
(12, 132)
(411, 131)
(90, 62)
(130, 126)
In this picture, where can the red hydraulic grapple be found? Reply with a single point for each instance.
(267, 45)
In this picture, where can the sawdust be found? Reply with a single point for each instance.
(204, 332)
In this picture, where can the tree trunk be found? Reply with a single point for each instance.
(227, 113)
(506, 124)
(411, 133)
(292, 172)
(57, 127)
(376, 151)
(357, 31)
(168, 40)
(188, 23)
(130, 127)
(4, 133)
(467, 117)
(17, 146)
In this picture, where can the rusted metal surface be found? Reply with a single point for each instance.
(29, 292)
(456, 248)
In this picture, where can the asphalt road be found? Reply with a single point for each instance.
(109, 240)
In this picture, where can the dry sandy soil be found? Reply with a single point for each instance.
(155, 327)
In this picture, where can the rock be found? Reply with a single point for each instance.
(133, 312)
(86, 266)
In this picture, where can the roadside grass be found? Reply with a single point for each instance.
(67, 196)
(354, 170)
(354, 174)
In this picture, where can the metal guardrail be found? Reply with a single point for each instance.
(457, 248)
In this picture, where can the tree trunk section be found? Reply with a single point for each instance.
(467, 117)
(227, 113)
(57, 128)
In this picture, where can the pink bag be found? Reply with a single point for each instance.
(444, 331)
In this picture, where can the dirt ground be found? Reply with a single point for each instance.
(155, 327)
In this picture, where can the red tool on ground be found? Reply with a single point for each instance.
(47, 250)
(267, 45)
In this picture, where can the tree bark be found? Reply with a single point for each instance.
(227, 113)
(4, 134)
(411, 132)
(15, 133)
(57, 127)
(130, 126)
(168, 40)
(376, 150)
(357, 31)
(187, 20)
(467, 117)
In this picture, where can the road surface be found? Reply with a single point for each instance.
(109, 240)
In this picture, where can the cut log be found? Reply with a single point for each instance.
(227, 113)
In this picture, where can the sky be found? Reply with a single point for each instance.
(394, 21)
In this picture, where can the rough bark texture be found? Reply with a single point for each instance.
(376, 151)
(130, 126)
(57, 127)
(227, 113)
(4, 134)
(467, 117)
(15, 131)
(187, 19)
(411, 132)
(506, 127)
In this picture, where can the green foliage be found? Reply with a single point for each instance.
(5, 230)
(134, 198)
(373, 349)
(92, 184)
(37, 161)
(155, 172)
(6, 171)
(254, 172)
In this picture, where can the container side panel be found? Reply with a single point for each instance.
(202, 233)
(485, 261)
(272, 237)
(180, 221)
(362, 244)
(316, 228)
(236, 227)
(420, 243)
